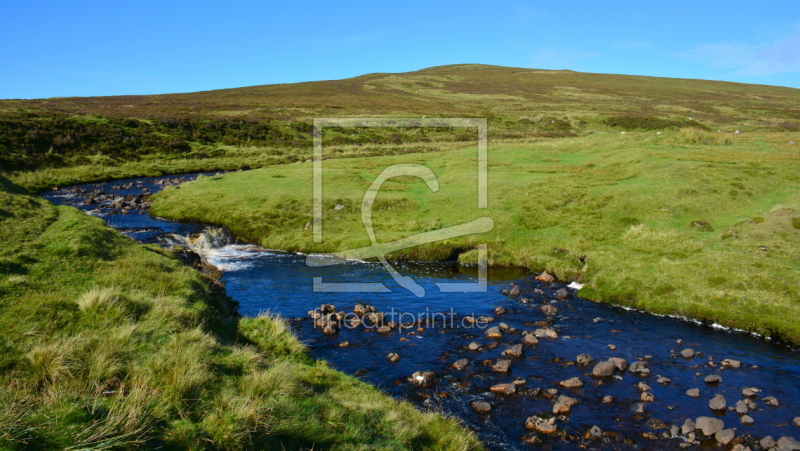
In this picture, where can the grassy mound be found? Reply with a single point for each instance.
(110, 344)
(664, 222)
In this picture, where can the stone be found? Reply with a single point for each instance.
(549, 310)
(574, 382)
(474, 346)
(742, 407)
(562, 293)
(709, 426)
(620, 363)
(564, 404)
(550, 393)
(331, 328)
(362, 309)
(513, 351)
(771, 401)
(604, 369)
(712, 379)
(546, 332)
(393, 357)
(519, 382)
(530, 339)
(638, 368)
(647, 396)
(718, 403)
(687, 353)
(584, 359)
(607, 399)
(643, 386)
(730, 363)
(504, 389)
(542, 425)
(674, 431)
(612, 347)
(384, 329)
(750, 392)
(514, 293)
(796, 421)
(327, 308)
(725, 436)
(344, 344)
(688, 427)
(746, 420)
(460, 364)
(546, 278)
(493, 332)
(500, 311)
(788, 444)
(502, 366)
(422, 379)
(481, 406)
(594, 433)
(664, 380)
(767, 442)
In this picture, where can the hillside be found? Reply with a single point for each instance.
(271, 124)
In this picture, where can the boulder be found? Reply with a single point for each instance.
(327, 308)
(730, 363)
(687, 353)
(750, 392)
(514, 351)
(688, 426)
(643, 386)
(725, 436)
(647, 396)
(574, 382)
(331, 328)
(546, 278)
(530, 339)
(546, 332)
(747, 420)
(718, 403)
(693, 393)
(584, 359)
(499, 311)
(767, 442)
(393, 357)
(493, 332)
(545, 426)
(504, 389)
(514, 293)
(564, 404)
(481, 406)
(796, 421)
(422, 379)
(620, 363)
(788, 444)
(712, 379)
(474, 346)
(604, 369)
(742, 407)
(709, 426)
(664, 380)
(502, 366)
(362, 309)
(771, 401)
(460, 364)
(639, 368)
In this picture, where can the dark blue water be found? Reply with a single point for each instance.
(270, 281)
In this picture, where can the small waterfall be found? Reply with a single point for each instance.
(204, 242)
(216, 246)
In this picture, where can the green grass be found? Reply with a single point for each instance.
(652, 221)
(110, 344)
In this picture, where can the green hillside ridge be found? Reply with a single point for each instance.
(83, 139)
(107, 343)
(688, 223)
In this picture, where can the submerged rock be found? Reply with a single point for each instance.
(393, 357)
(460, 364)
(481, 406)
(422, 379)
(502, 366)
(594, 433)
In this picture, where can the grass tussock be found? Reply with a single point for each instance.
(108, 344)
(699, 137)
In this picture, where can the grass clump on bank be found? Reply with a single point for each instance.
(106, 343)
(645, 220)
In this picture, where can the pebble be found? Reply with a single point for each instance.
(499, 311)
(594, 433)
(664, 380)
(647, 397)
(607, 399)
(643, 386)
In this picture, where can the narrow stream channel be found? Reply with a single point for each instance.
(262, 280)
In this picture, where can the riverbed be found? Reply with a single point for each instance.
(271, 281)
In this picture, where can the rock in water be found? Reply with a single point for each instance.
(709, 426)
(530, 339)
(796, 421)
(475, 346)
(481, 406)
(718, 403)
(562, 293)
(499, 311)
(584, 359)
(460, 364)
(604, 369)
(620, 363)
(771, 401)
(546, 332)
(767, 442)
(393, 357)
(493, 332)
(422, 379)
(574, 382)
(504, 389)
(788, 444)
(594, 433)
(646, 396)
(712, 379)
(741, 407)
(546, 278)
(502, 366)
(549, 310)
(750, 392)
(542, 425)
(730, 363)
(725, 436)
(747, 420)
(514, 351)
(688, 426)
(693, 393)
(687, 353)
(564, 404)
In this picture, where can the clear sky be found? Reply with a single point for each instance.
(89, 48)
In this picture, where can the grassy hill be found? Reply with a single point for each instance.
(107, 137)
(107, 344)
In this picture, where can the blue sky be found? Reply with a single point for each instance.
(87, 48)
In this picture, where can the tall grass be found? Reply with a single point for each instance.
(698, 137)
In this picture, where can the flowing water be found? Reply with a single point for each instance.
(263, 280)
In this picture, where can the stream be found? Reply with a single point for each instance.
(270, 281)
